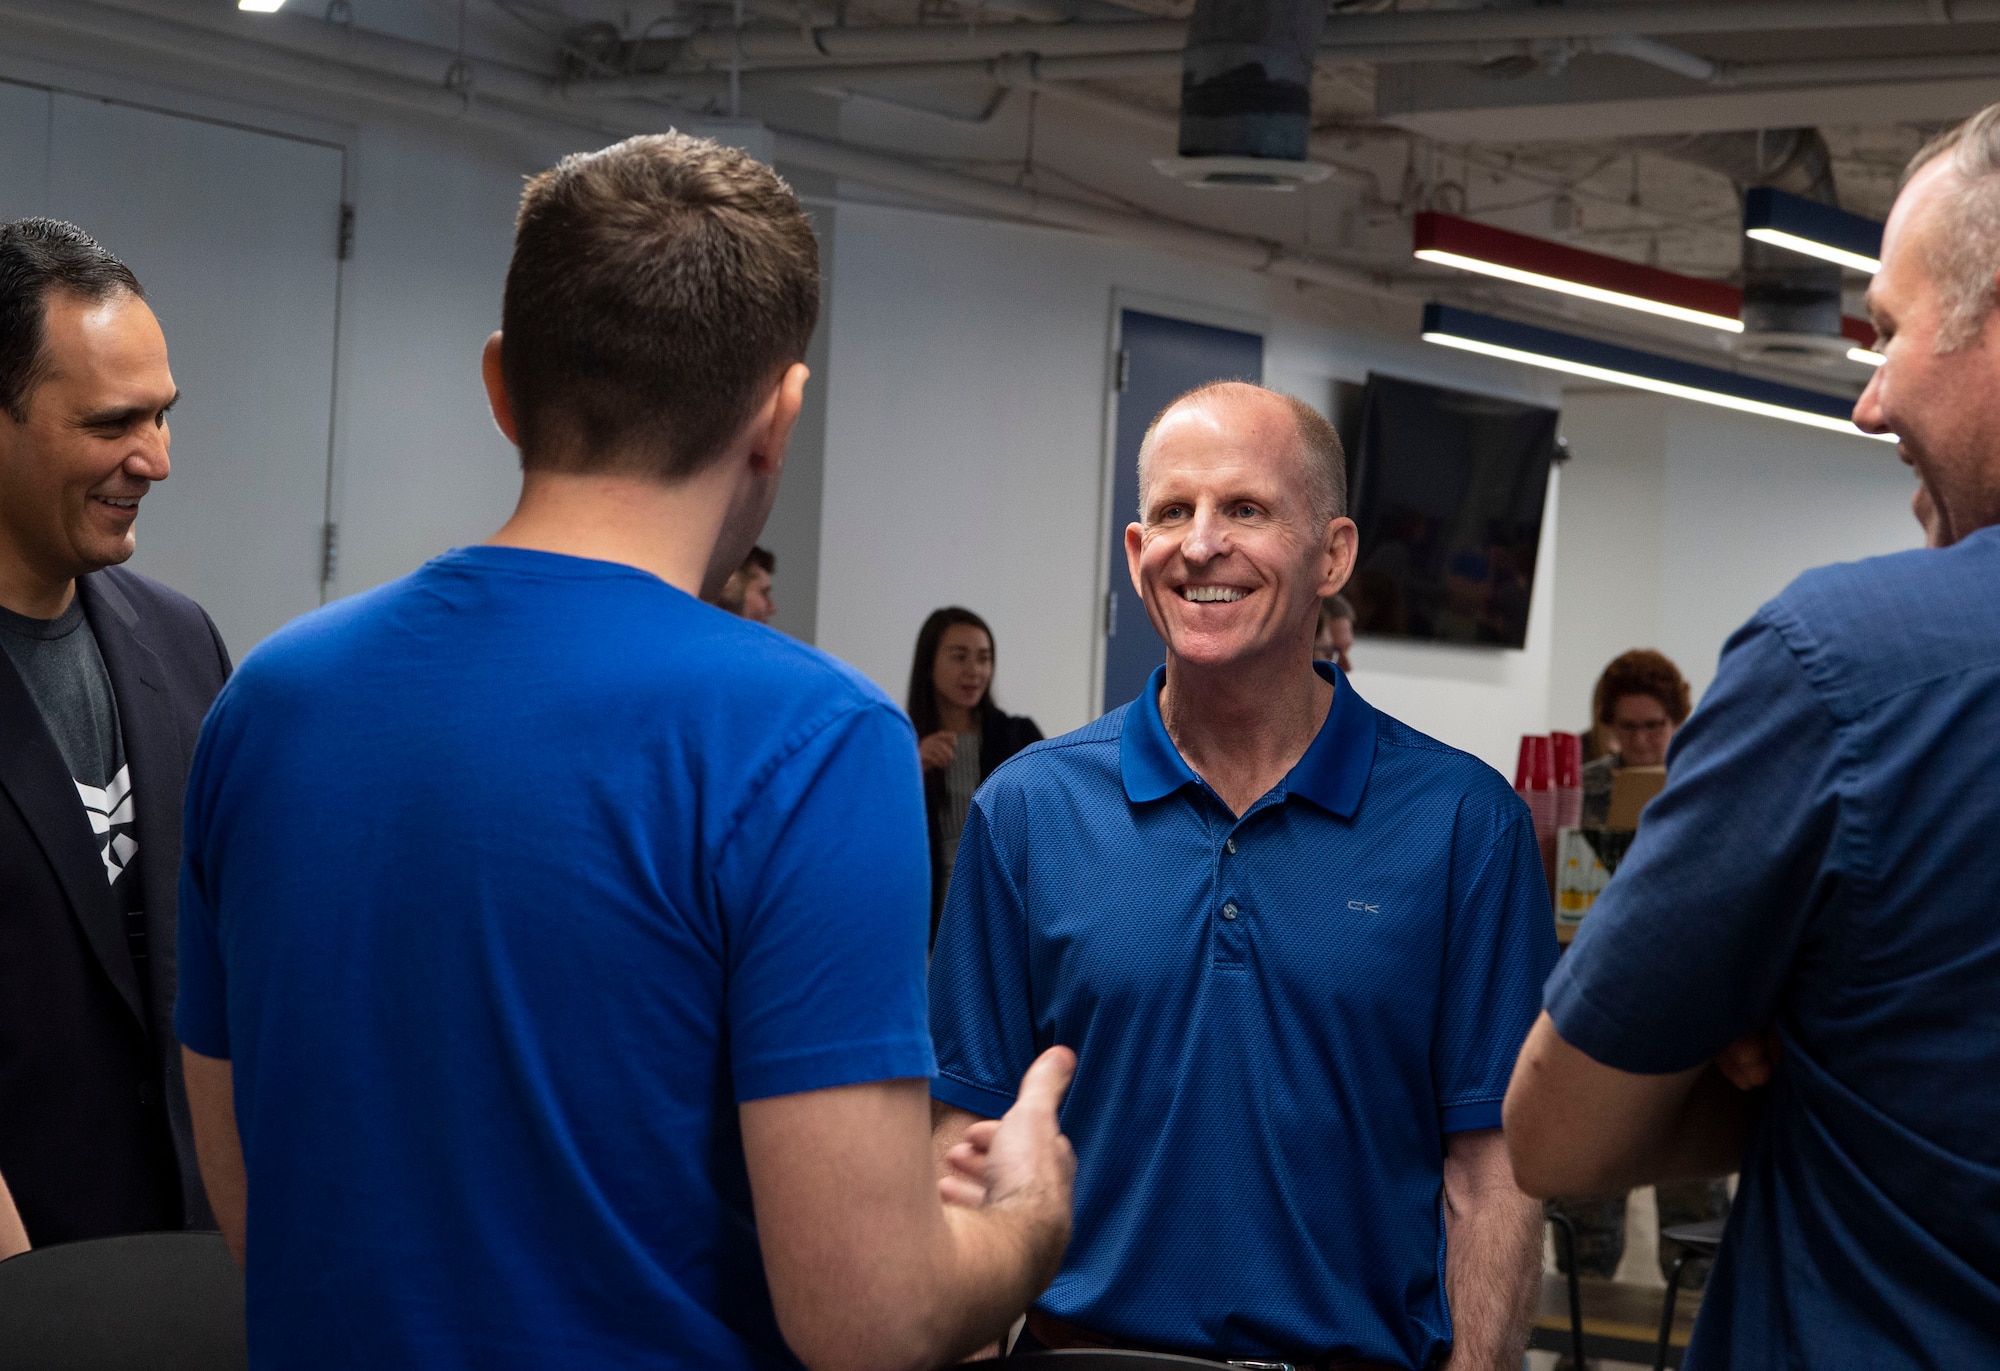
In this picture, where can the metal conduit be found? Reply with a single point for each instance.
(123, 29)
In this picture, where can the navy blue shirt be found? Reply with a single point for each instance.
(505, 884)
(1277, 1019)
(1822, 862)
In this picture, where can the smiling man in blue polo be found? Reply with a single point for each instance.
(1294, 943)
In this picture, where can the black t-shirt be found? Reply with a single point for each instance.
(64, 672)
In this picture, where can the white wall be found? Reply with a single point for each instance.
(1680, 519)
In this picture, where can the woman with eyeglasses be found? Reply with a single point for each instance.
(1640, 700)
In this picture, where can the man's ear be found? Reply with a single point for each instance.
(496, 390)
(1343, 544)
(781, 416)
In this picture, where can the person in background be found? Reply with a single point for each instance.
(1294, 942)
(1335, 633)
(559, 938)
(1796, 969)
(13, 1233)
(747, 592)
(1640, 700)
(963, 736)
(104, 678)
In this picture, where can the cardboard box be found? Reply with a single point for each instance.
(1632, 787)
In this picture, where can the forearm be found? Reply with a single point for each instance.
(1493, 1262)
(212, 1104)
(1577, 1127)
(1493, 1255)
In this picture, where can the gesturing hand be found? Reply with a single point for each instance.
(1022, 1160)
(938, 749)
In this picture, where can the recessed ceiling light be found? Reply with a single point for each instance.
(261, 6)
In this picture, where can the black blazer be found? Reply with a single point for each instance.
(1000, 737)
(94, 1131)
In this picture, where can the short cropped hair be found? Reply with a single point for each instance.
(763, 559)
(659, 288)
(1320, 453)
(1964, 252)
(1641, 672)
(39, 257)
(1334, 608)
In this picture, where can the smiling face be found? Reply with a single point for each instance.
(964, 666)
(1228, 555)
(1944, 407)
(91, 443)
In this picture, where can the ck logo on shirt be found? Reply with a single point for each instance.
(1363, 907)
(110, 811)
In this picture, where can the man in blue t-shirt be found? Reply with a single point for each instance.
(1797, 969)
(1294, 943)
(554, 941)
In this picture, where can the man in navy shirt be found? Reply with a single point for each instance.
(1293, 942)
(540, 919)
(1811, 904)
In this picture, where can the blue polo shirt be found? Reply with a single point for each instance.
(1822, 863)
(505, 885)
(1278, 1019)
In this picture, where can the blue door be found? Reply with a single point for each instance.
(1159, 359)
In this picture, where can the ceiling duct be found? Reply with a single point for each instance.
(1246, 94)
(1791, 304)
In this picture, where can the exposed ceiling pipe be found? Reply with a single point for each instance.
(145, 34)
(931, 42)
(1246, 78)
(1185, 240)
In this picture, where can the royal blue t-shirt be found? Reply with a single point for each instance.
(1822, 862)
(1278, 1020)
(505, 884)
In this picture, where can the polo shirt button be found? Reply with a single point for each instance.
(1229, 846)
(1229, 911)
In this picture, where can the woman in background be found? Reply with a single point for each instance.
(1639, 701)
(962, 735)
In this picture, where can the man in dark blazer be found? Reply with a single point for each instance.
(104, 679)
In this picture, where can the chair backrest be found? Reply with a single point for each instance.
(147, 1302)
(1106, 1359)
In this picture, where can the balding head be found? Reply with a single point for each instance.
(1278, 423)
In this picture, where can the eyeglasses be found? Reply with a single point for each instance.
(1651, 726)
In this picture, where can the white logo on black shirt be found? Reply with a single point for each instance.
(110, 811)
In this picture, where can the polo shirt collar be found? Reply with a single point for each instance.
(1332, 774)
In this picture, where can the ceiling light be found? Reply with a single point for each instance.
(1807, 226)
(1466, 245)
(1865, 357)
(1451, 327)
(261, 6)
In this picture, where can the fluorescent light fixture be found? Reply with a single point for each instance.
(1579, 289)
(1866, 357)
(261, 6)
(1451, 327)
(1467, 245)
(1807, 226)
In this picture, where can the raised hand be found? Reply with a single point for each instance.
(937, 749)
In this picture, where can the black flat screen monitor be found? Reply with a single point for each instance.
(1447, 489)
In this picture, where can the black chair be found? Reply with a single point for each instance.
(1567, 1228)
(1698, 1241)
(148, 1302)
